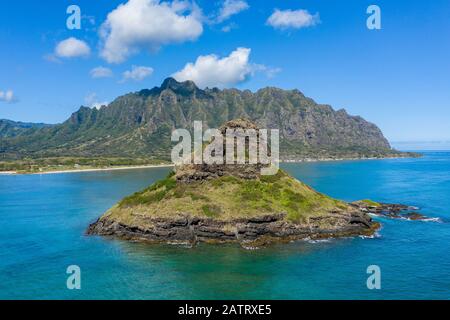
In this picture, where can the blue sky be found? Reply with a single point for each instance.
(397, 77)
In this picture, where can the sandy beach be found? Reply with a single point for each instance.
(89, 170)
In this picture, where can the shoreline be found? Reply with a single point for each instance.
(306, 160)
(87, 170)
(251, 233)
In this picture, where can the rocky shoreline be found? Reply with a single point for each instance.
(253, 231)
(389, 210)
(257, 231)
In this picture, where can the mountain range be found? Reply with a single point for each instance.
(140, 124)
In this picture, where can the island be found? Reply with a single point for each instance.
(222, 203)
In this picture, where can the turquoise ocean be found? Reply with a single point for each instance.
(44, 217)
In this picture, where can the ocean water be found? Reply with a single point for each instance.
(44, 217)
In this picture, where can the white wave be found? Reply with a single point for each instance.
(376, 235)
(251, 248)
(438, 220)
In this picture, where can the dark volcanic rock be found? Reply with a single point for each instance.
(389, 210)
(271, 228)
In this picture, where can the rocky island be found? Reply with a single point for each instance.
(231, 203)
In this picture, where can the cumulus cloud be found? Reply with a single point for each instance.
(72, 48)
(7, 96)
(230, 8)
(137, 73)
(148, 24)
(101, 72)
(292, 19)
(213, 71)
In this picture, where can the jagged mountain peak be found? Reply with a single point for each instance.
(140, 124)
(171, 83)
(184, 88)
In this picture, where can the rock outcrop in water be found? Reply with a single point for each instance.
(389, 210)
(230, 203)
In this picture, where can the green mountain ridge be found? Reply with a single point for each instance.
(140, 124)
(9, 128)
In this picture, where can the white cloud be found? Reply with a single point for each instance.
(91, 100)
(212, 71)
(71, 48)
(148, 24)
(7, 96)
(295, 19)
(101, 72)
(230, 8)
(137, 73)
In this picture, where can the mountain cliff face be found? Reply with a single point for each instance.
(140, 124)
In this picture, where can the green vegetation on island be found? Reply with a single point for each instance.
(226, 198)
